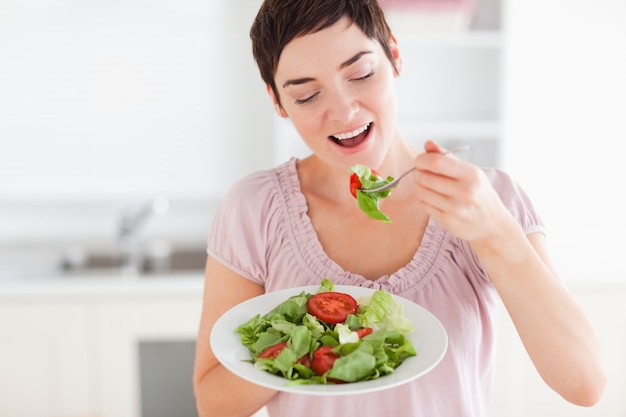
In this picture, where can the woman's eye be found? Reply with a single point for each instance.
(305, 100)
(365, 77)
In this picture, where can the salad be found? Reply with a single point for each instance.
(329, 337)
(364, 178)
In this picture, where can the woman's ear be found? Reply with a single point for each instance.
(395, 54)
(277, 107)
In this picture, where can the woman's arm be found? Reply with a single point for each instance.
(218, 392)
(557, 334)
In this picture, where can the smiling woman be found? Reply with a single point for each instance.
(462, 239)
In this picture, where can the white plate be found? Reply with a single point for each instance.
(429, 339)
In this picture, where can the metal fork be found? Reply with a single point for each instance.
(397, 180)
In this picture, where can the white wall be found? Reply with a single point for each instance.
(565, 127)
(121, 99)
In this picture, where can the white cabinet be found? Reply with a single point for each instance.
(122, 325)
(73, 349)
(46, 359)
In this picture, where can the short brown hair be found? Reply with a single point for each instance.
(278, 22)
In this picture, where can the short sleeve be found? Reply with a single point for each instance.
(242, 226)
(516, 201)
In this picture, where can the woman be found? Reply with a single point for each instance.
(461, 237)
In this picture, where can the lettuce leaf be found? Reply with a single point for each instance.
(382, 311)
(326, 286)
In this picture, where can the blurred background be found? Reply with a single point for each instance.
(122, 123)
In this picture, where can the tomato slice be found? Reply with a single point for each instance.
(355, 184)
(364, 331)
(332, 307)
(323, 360)
(272, 351)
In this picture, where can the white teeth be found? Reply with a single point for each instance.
(352, 134)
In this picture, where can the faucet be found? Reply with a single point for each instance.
(130, 219)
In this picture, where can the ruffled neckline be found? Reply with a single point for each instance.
(416, 273)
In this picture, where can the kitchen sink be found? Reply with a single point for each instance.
(177, 261)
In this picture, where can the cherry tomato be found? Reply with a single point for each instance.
(355, 183)
(323, 360)
(272, 351)
(364, 331)
(332, 307)
(275, 350)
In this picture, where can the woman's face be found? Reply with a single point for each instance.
(337, 87)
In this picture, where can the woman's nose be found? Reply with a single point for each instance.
(342, 107)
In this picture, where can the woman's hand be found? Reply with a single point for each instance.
(558, 336)
(459, 196)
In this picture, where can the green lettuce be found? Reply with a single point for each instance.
(369, 203)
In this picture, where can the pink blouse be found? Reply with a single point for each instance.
(261, 230)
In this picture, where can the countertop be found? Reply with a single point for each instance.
(102, 285)
(174, 284)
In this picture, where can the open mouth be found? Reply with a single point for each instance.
(353, 138)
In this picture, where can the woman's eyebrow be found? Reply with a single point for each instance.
(343, 65)
(298, 81)
(354, 59)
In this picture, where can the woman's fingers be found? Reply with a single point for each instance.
(431, 146)
(456, 193)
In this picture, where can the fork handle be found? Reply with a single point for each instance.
(395, 181)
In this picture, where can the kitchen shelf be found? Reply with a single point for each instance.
(467, 39)
(459, 130)
(450, 91)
